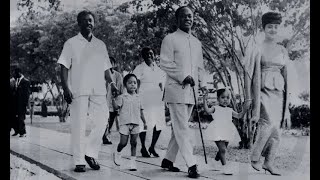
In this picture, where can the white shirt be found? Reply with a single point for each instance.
(19, 80)
(130, 107)
(86, 62)
(147, 74)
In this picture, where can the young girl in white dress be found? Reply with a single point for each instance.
(222, 129)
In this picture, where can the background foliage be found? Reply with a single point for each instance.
(226, 28)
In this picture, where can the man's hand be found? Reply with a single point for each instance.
(145, 127)
(188, 80)
(68, 95)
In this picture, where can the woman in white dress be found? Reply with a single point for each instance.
(151, 79)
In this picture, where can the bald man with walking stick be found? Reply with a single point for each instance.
(182, 59)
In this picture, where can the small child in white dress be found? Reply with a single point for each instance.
(222, 129)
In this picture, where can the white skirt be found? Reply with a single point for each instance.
(154, 107)
(222, 132)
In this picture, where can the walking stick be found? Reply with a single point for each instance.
(196, 105)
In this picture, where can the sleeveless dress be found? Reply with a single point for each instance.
(271, 108)
(222, 127)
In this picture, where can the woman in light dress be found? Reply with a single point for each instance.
(151, 81)
(267, 84)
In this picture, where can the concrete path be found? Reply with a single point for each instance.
(51, 151)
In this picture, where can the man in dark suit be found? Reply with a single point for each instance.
(12, 108)
(21, 98)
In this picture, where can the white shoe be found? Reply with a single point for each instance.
(227, 170)
(133, 164)
(117, 158)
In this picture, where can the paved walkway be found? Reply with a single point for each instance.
(51, 151)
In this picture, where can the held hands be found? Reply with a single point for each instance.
(114, 90)
(188, 80)
(254, 119)
(145, 127)
(67, 95)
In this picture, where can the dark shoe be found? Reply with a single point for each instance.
(144, 152)
(217, 158)
(270, 170)
(166, 164)
(80, 168)
(92, 162)
(153, 152)
(193, 172)
(15, 134)
(23, 135)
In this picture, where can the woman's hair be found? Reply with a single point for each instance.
(145, 50)
(127, 77)
(83, 14)
(271, 18)
(221, 91)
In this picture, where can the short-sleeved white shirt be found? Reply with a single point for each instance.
(148, 74)
(86, 62)
(130, 106)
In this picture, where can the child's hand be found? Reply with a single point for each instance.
(115, 94)
(254, 119)
(205, 97)
(145, 126)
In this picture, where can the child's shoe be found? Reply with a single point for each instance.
(117, 158)
(133, 165)
(226, 169)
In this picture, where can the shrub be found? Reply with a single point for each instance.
(300, 116)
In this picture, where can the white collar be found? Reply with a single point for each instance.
(80, 37)
(152, 64)
(127, 94)
(184, 33)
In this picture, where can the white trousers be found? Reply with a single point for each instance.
(180, 135)
(96, 107)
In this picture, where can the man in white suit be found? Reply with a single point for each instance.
(182, 60)
(85, 65)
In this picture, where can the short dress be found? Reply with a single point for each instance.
(222, 127)
(151, 95)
